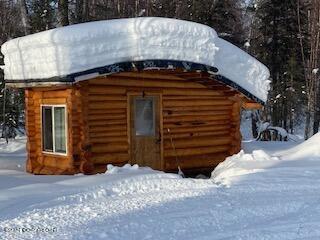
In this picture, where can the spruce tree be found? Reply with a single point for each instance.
(275, 42)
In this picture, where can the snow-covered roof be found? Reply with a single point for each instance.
(78, 48)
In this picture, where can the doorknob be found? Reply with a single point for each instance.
(158, 141)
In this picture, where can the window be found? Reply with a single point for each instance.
(54, 129)
(144, 117)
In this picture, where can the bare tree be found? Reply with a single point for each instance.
(63, 13)
(310, 43)
(24, 16)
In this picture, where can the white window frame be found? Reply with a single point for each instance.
(53, 130)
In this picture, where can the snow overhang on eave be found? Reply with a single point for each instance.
(128, 67)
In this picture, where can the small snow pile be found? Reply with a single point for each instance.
(315, 71)
(278, 131)
(242, 164)
(267, 126)
(111, 169)
(263, 126)
(309, 149)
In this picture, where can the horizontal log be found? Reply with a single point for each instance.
(107, 122)
(110, 147)
(197, 134)
(195, 161)
(108, 134)
(54, 101)
(251, 105)
(62, 162)
(110, 158)
(96, 89)
(107, 105)
(99, 168)
(75, 124)
(198, 142)
(199, 129)
(94, 140)
(32, 155)
(55, 94)
(29, 101)
(107, 128)
(204, 102)
(193, 97)
(191, 91)
(167, 113)
(188, 118)
(196, 108)
(196, 151)
(106, 111)
(95, 97)
(128, 82)
(196, 124)
(235, 149)
(110, 116)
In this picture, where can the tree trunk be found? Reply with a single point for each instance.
(254, 126)
(24, 16)
(82, 11)
(316, 120)
(311, 63)
(79, 11)
(63, 13)
(308, 121)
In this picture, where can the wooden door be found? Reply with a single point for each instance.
(145, 131)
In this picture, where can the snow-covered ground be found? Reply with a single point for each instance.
(269, 191)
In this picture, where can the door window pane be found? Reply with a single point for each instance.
(144, 117)
(59, 129)
(47, 129)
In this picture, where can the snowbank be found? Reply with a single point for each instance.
(241, 164)
(80, 47)
(309, 149)
(13, 155)
(304, 155)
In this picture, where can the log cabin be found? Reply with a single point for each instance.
(156, 92)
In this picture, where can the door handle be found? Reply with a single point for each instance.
(158, 141)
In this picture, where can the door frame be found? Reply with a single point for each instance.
(143, 93)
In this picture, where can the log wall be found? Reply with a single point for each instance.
(200, 126)
(37, 161)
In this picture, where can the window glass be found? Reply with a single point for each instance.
(59, 129)
(47, 129)
(54, 129)
(144, 117)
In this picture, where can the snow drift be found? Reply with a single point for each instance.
(72, 49)
(302, 156)
(241, 164)
(309, 149)
(13, 154)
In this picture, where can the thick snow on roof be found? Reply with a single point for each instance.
(76, 48)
